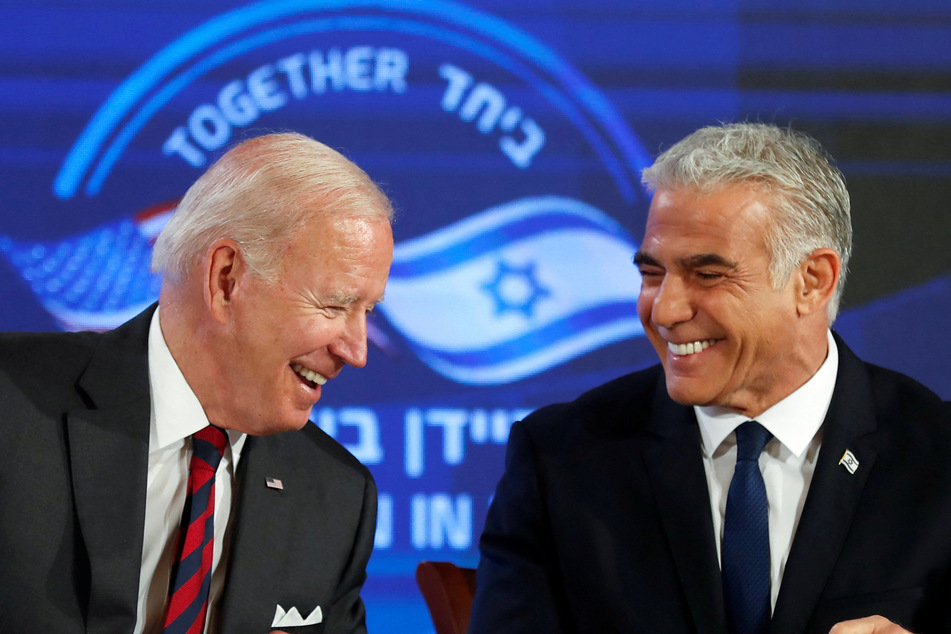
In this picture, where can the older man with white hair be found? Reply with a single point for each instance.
(162, 477)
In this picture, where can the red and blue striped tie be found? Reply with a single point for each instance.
(191, 574)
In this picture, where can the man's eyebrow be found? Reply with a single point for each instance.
(342, 299)
(345, 299)
(641, 258)
(690, 262)
(707, 259)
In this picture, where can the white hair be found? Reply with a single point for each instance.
(260, 194)
(805, 189)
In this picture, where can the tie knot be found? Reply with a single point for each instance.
(751, 438)
(208, 445)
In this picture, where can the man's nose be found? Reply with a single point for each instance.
(672, 304)
(351, 345)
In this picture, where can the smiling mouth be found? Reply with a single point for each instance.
(311, 377)
(687, 349)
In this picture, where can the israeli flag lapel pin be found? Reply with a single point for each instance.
(849, 461)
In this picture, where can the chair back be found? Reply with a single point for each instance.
(448, 591)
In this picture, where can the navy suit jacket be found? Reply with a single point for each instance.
(601, 521)
(74, 441)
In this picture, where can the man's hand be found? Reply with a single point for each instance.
(868, 625)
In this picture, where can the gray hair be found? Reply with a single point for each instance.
(260, 194)
(807, 191)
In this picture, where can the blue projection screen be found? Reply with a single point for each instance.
(511, 136)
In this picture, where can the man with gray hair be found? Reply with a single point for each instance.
(761, 478)
(163, 477)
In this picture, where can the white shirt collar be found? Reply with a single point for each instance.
(176, 411)
(794, 420)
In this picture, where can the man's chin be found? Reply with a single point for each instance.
(275, 427)
(292, 425)
(685, 394)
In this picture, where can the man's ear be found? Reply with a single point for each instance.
(818, 276)
(222, 271)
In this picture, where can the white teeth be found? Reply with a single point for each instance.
(310, 375)
(686, 349)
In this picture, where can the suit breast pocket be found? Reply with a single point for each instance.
(900, 606)
(317, 628)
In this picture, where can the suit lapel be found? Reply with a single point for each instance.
(300, 546)
(260, 537)
(833, 496)
(108, 449)
(675, 465)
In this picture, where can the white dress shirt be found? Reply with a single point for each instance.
(787, 463)
(176, 415)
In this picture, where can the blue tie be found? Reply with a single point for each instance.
(745, 558)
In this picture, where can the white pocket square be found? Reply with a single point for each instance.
(292, 618)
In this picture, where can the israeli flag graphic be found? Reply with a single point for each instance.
(499, 296)
(96, 280)
(514, 290)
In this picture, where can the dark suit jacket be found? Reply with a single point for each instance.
(74, 440)
(601, 522)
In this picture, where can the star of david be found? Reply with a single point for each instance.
(515, 288)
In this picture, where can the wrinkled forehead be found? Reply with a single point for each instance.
(736, 215)
(361, 237)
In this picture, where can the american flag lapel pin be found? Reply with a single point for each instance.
(849, 461)
(274, 483)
